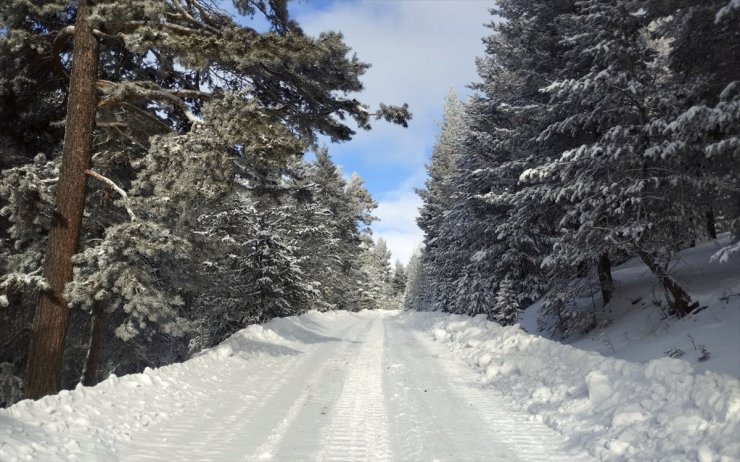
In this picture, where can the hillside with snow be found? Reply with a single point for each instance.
(638, 327)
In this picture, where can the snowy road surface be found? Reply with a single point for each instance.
(387, 386)
(363, 388)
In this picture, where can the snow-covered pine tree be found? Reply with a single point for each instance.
(699, 119)
(376, 266)
(399, 278)
(437, 197)
(613, 195)
(276, 284)
(119, 280)
(415, 283)
(332, 235)
(506, 311)
(163, 65)
(475, 294)
(361, 290)
(511, 228)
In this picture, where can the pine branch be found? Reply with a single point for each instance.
(120, 93)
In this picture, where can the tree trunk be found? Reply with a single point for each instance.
(679, 300)
(91, 372)
(711, 228)
(604, 270)
(52, 314)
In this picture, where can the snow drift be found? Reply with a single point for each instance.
(616, 409)
(88, 423)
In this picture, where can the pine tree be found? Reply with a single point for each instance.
(415, 283)
(507, 304)
(437, 196)
(376, 267)
(614, 196)
(52, 314)
(201, 83)
(504, 228)
(277, 287)
(332, 234)
(700, 118)
(399, 278)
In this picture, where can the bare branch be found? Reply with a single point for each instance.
(183, 13)
(146, 114)
(116, 188)
(60, 40)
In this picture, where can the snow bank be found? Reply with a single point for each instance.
(66, 426)
(617, 410)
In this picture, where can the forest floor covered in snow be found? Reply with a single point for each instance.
(386, 386)
(638, 329)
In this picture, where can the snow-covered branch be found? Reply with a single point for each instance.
(116, 188)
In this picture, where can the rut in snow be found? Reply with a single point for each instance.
(366, 388)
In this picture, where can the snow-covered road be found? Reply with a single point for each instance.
(386, 386)
(364, 388)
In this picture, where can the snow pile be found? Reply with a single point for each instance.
(71, 424)
(616, 409)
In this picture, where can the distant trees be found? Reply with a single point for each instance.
(438, 194)
(377, 289)
(177, 183)
(600, 130)
(417, 288)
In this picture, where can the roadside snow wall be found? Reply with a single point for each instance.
(617, 410)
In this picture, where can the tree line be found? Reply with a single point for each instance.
(154, 196)
(600, 130)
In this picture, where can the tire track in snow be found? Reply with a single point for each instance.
(373, 390)
(300, 425)
(428, 421)
(359, 423)
(220, 420)
(530, 439)
(229, 421)
(407, 425)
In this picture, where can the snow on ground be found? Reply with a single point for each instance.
(90, 423)
(640, 331)
(618, 410)
(376, 386)
(322, 386)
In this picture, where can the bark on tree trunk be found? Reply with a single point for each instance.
(604, 269)
(679, 300)
(711, 228)
(52, 314)
(91, 372)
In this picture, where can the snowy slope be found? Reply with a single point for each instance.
(640, 331)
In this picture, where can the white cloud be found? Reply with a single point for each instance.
(418, 50)
(397, 211)
(397, 224)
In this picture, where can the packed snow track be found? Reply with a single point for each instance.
(366, 388)
(329, 387)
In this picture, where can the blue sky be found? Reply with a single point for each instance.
(418, 49)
